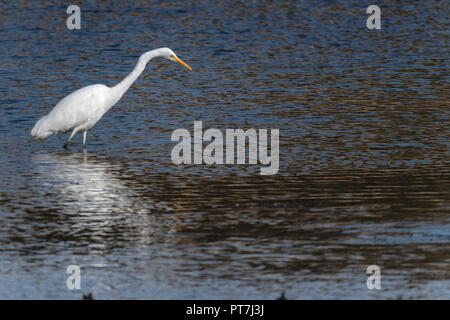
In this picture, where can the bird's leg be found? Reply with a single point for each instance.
(84, 139)
(70, 137)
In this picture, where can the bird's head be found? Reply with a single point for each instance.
(170, 55)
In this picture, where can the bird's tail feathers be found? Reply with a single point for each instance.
(40, 130)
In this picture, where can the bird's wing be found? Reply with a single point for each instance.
(78, 108)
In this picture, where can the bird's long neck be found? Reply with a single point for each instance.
(119, 89)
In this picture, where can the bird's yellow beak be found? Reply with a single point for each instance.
(182, 63)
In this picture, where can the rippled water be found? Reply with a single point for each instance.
(364, 151)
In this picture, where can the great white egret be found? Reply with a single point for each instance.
(82, 109)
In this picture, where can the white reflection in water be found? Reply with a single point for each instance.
(84, 184)
(93, 193)
(101, 215)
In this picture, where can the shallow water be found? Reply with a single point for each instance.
(364, 173)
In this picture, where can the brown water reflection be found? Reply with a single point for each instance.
(325, 225)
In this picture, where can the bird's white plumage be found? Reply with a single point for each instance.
(82, 109)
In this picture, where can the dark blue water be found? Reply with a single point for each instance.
(364, 173)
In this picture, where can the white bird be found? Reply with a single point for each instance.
(82, 109)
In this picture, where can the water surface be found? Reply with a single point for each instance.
(364, 151)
